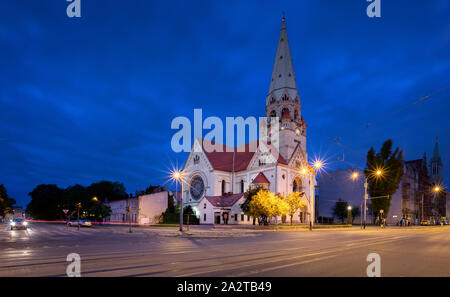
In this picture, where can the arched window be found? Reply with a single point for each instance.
(223, 187)
(285, 97)
(272, 100)
(297, 185)
(242, 186)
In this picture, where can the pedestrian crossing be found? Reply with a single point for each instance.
(45, 231)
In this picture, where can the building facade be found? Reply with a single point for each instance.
(211, 177)
(143, 209)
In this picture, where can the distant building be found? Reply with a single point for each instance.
(144, 209)
(337, 185)
(17, 212)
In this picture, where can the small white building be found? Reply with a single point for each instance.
(144, 209)
(222, 210)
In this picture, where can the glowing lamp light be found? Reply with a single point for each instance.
(355, 175)
(437, 189)
(379, 172)
(318, 164)
(303, 171)
(349, 207)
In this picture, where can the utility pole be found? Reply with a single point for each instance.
(78, 215)
(365, 201)
(181, 207)
(421, 220)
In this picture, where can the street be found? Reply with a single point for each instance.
(157, 251)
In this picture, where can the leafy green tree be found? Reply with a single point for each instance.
(6, 202)
(46, 202)
(248, 197)
(390, 165)
(340, 210)
(356, 212)
(266, 205)
(106, 190)
(295, 201)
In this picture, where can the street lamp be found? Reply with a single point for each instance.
(377, 173)
(177, 175)
(349, 216)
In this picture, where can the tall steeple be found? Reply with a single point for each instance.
(283, 101)
(436, 165)
(283, 77)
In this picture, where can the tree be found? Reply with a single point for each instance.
(390, 165)
(295, 201)
(6, 202)
(356, 212)
(46, 202)
(107, 191)
(249, 194)
(266, 205)
(340, 210)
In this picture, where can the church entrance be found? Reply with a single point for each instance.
(217, 218)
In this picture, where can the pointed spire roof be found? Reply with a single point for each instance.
(436, 157)
(283, 77)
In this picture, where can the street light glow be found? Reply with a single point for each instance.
(437, 189)
(349, 207)
(318, 164)
(355, 175)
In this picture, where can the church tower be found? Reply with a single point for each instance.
(283, 100)
(436, 165)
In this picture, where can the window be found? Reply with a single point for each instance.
(272, 100)
(235, 217)
(242, 186)
(204, 205)
(285, 98)
(204, 217)
(296, 114)
(273, 114)
(242, 217)
(248, 218)
(223, 187)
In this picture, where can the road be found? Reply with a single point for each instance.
(112, 251)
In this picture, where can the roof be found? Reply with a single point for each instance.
(224, 200)
(223, 160)
(260, 179)
(283, 77)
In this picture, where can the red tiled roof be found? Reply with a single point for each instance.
(260, 179)
(224, 201)
(223, 160)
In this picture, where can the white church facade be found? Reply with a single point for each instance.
(214, 182)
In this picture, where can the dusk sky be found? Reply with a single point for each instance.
(92, 98)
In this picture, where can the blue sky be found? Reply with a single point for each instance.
(88, 99)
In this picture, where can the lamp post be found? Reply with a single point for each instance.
(178, 177)
(377, 173)
(349, 215)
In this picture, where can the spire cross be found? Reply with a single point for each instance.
(284, 17)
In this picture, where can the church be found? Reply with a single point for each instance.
(215, 181)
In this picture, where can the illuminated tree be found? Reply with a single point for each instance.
(266, 204)
(295, 201)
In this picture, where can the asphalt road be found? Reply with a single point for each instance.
(112, 251)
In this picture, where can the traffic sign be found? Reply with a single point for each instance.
(65, 211)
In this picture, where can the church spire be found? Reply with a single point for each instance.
(283, 77)
(436, 164)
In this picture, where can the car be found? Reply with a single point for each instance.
(18, 223)
(81, 223)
